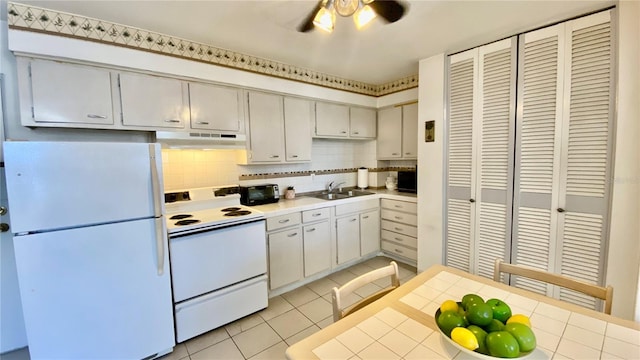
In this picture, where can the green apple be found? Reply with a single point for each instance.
(502, 344)
(501, 311)
(469, 299)
(494, 325)
(481, 335)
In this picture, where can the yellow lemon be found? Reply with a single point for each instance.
(465, 338)
(519, 318)
(448, 305)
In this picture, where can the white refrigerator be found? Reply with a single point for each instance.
(91, 248)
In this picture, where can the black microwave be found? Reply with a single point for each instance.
(259, 194)
(408, 181)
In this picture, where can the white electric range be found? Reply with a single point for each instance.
(218, 255)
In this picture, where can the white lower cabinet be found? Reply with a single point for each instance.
(369, 232)
(348, 238)
(285, 249)
(399, 231)
(317, 247)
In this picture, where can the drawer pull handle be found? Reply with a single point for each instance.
(312, 229)
(94, 116)
(398, 228)
(352, 220)
(399, 206)
(395, 154)
(398, 217)
(399, 239)
(172, 121)
(284, 221)
(398, 251)
(343, 132)
(274, 156)
(316, 214)
(202, 122)
(356, 133)
(294, 156)
(365, 217)
(292, 234)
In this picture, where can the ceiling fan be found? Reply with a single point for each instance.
(363, 11)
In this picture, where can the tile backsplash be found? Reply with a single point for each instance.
(185, 169)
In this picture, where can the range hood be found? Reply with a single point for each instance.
(200, 140)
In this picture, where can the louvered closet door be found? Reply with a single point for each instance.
(495, 126)
(540, 76)
(563, 153)
(460, 150)
(480, 156)
(585, 155)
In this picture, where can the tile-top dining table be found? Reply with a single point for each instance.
(401, 324)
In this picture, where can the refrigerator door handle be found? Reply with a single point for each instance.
(160, 245)
(155, 180)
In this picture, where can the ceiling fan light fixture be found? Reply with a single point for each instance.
(325, 19)
(363, 16)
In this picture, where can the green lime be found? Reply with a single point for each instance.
(479, 314)
(471, 298)
(449, 320)
(494, 325)
(502, 344)
(481, 336)
(523, 334)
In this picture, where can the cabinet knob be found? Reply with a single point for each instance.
(3, 210)
(561, 210)
(472, 200)
(4, 227)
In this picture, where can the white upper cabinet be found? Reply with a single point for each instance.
(362, 123)
(298, 119)
(152, 101)
(216, 108)
(389, 142)
(266, 128)
(410, 131)
(66, 93)
(332, 120)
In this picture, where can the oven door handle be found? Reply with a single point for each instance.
(160, 237)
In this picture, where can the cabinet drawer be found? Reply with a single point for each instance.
(357, 206)
(400, 250)
(314, 215)
(283, 221)
(399, 228)
(406, 240)
(400, 217)
(404, 206)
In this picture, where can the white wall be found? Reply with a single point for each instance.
(624, 235)
(623, 267)
(430, 162)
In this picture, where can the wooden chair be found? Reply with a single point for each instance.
(599, 292)
(339, 294)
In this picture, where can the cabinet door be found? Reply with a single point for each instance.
(215, 107)
(332, 120)
(285, 257)
(298, 117)
(369, 232)
(409, 131)
(266, 127)
(362, 123)
(389, 142)
(563, 153)
(152, 101)
(317, 248)
(65, 93)
(348, 238)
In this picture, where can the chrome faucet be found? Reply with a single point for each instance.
(332, 185)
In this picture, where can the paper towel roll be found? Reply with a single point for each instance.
(363, 178)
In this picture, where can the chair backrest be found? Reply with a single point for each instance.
(604, 293)
(339, 294)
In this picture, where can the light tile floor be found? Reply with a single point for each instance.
(266, 334)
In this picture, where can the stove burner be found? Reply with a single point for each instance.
(230, 209)
(180, 216)
(238, 213)
(187, 222)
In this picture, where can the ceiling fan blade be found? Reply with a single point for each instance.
(307, 24)
(390, 10)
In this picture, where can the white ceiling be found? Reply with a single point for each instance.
(379, 54)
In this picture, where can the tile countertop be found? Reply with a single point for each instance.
(303, 202)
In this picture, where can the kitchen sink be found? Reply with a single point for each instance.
(344, 194)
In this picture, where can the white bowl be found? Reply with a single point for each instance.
(477, 355)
